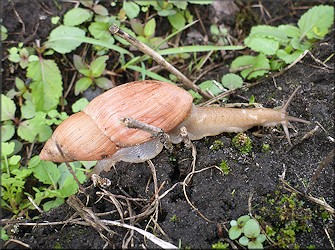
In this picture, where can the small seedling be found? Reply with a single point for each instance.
(22, 55)
(92, 74)
(265, 148)
(146, 33)
(251, 230)
(174, 218)
(219, 34)
(217, 144)
(4, 235)
(220, 245)
(242, 142)
(224, 167)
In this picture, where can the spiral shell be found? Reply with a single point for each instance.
(96, 132)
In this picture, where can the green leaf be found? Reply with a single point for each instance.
(255, 245)
(132, 9)
(251, 229)
(44, 133)
(7, 148)
(64, 39)
(19, 84)
(87, 3)
(261, 238)
(33, 58)
(234, 232)
(7, 132)
(98, 66)
(21, 173)
(34, 161)
(148, 73)
(86, 72)
(82, 84)
(180, 4)
(47, 86)
(78, 63)
(47, 173)
(288, 58)
(3, 31)
(266, 46)
(257, 65)
(177, 21)
(28, 110)
(166, 12)
(210, 86)
(137, 27)
(79, 105)
(267, 31)
(232, 81)
(298, 45)
(103, 82)
(316, 22)
(14, 159)
(76, 16)
(34, 128)
(52, 204)
(3, 233)
(242, 220)
(8, 108)
(290, 30)
(70, 187)
(99, 30)
(198, 48)
(14, 58)
(100, 10)
(243, 241)
(233, 223)
(55, 19)
(149, 28)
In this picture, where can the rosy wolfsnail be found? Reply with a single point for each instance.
(96, 132)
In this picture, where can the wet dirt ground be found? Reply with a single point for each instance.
(217, 198)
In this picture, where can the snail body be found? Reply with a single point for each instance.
(96, 132)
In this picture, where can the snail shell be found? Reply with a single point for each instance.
(96, 132)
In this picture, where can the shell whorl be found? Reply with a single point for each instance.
(96, 132)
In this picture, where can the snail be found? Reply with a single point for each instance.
(97, 133)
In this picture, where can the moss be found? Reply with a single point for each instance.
(224, 167)
(242, 142)
(284, 218)
(217, 145)
(220, 245)
(265, 148)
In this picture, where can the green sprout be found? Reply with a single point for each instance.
(22, 55)
(219, 34)
(252, 237)
(174, 218)
(224, 167)
(265, 148)
(92, 74)
(220, 245)
(217, 144)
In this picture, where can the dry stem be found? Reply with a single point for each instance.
(115, 30)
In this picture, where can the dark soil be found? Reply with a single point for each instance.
(218, 197)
